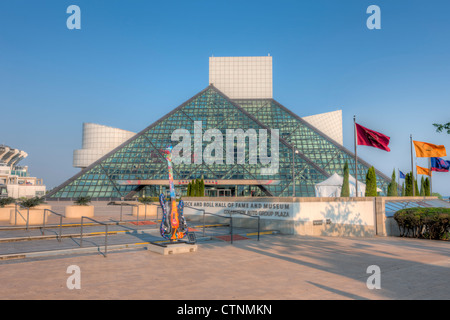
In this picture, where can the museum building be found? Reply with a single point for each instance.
(118, 164)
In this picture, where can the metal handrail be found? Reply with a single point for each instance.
(249, 215)
(113, 203)
(99, 222)
(217, 215)
(137, 206)
(60, 223)
(145, 207)
(17, 211)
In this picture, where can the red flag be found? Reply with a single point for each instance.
(367, 137)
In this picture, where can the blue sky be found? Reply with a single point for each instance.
(134, 61)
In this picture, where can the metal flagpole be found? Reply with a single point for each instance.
(412, 168)
(356, 158)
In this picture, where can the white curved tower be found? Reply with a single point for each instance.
(98, 140)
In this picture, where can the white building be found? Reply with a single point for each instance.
(252, 78)
(98, 140)
(15, 181)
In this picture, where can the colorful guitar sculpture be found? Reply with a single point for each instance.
(173, 224)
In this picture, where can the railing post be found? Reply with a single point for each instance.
(137, 206)
(60, 227)
(81, 234)
(28, 216)
(231, 226)
(121, 205)
(43, 223)
(106, 240)
(259, 219)
(203, 222)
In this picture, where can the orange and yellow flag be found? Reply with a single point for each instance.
(425, 171)
(427, 150)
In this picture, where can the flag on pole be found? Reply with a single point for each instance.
(367, 137)
(402, 175)
(440, 165)
(425, 171)
(427, 150)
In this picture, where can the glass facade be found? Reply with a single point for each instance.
(319, 148)
(136, 167)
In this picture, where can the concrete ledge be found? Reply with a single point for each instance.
(301, 199)
(173, 248)
(75, 211)
(151, 210)
(5, 213)
(36, 217)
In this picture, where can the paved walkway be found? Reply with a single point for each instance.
(277, 267)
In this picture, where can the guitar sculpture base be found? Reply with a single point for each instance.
(167, 242)
(172, 247)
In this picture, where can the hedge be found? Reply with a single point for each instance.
(429, 223)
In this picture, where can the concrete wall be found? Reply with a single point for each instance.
(302, 216)
(357, 217)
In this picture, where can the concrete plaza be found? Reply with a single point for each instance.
(278, 267)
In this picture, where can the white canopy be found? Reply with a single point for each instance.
(333, 185)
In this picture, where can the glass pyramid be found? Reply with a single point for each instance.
(138, 165)
(319, 148)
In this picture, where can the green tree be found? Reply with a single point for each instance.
(416, 187)
(408, 185)
(188, 192)
(345, 190)
(197, 188)
(422, 187)
(202, 187)
(371, 183)
(436, 194)
(427, 187)
(392, 187)
(403, 189)
(442, 127)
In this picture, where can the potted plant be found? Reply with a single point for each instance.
(81, 208)
(147, 207)
(6, 204)
(29, 210)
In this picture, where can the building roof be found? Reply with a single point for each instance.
(140, 158)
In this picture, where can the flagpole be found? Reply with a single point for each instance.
(412, 168)
(356, 158)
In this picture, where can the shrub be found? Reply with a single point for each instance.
(431, 223)
(345, 190)
(392, 187)
(147, 200)
(371, 183)
(6, 201)
(82, 201)
(31, 202)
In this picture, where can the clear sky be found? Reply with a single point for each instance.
(135, 60)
